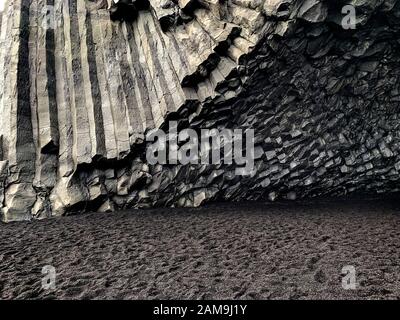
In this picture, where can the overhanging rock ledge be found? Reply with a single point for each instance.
(78, 93)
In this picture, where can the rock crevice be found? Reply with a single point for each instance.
(79, 92)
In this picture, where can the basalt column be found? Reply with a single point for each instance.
(80, 89)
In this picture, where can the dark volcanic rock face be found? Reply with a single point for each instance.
(321, 98)
(325, 107)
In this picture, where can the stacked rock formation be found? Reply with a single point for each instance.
(78, 93)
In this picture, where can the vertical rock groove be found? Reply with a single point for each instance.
(79, 92)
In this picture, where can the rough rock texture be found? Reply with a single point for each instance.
(77, 99)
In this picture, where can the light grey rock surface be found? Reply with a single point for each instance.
(78, 97)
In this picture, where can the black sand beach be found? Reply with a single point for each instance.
(235, 251)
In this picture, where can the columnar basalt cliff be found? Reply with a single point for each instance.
(78, 93)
